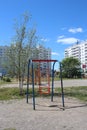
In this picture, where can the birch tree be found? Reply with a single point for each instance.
(21, 50)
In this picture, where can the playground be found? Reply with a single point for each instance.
(48, 112)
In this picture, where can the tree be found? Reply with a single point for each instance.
(21, 50)
(71, 67)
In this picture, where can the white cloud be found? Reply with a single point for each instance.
(45, 39)
(75, 30)
(69, 40)
(55, 53)
(62, 36)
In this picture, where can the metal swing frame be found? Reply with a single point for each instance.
(30, 64)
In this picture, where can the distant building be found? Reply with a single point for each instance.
(78, 51)
(42, 53)
(37, 53)
(2, 59)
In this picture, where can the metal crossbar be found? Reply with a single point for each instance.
(44, 60)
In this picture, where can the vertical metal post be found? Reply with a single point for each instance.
(52, 93)
(81, 72)
(33, 93)
(27, 94)
(61, 84)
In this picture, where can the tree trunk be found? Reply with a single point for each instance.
(21, 85)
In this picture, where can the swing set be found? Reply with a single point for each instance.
(40, 75)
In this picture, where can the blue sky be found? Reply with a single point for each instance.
(59, 23)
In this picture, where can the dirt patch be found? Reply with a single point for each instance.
(19, 115)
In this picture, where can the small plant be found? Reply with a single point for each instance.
(10, 129)
(6, 79)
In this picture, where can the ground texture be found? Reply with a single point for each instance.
(18, 115)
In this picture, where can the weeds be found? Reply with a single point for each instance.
(13, 93)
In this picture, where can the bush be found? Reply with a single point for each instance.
(6, 79)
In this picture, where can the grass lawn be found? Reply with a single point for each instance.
(10, 93)
(77, 92)
(13, 93)
(4, 82)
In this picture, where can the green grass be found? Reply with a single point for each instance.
(9, 129)
(77, 92)
(10, 93)
(13, 93)
(4, 82)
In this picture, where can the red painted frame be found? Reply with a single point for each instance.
(44, 60)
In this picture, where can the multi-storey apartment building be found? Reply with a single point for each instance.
(2, 59)
(37, 53)
(78, 51)
(43, 53)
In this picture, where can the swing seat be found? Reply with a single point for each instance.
(44, 89)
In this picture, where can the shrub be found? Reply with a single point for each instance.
(6, 79)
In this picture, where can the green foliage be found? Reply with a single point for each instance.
(6, 79)
(71, 67)
(21, 49)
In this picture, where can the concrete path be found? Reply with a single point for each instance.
(66, 83)
(72, 83)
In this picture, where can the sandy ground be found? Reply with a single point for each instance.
(47, 116)
(66, 83)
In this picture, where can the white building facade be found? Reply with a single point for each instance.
(78, 51)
